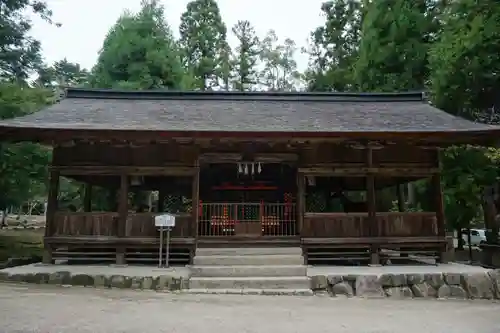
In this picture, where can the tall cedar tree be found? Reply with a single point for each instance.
(140, 52)
(394, 45)
(246, 57)
(334, 47)
(203, 42)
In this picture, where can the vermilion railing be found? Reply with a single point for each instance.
(247, 219)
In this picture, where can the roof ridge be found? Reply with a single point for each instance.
(92, 93)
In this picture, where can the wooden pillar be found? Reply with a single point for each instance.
(301, 196)
(122, 217)
(401, 198)
(161, 200)
(439, 209)
(372, 208)
(87, 198)
(52, 204)
(195, 195)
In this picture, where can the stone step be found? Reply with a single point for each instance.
(284, 282)
(270, 259)
(243, 251)
(271, 292)
(248, 270)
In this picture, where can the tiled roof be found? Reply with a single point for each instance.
(86, 109)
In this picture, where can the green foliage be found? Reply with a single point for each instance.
(464, 62)
(464, 81)
(19, 52)
(203, 42)
(333, 47)
(246, 57)
(22, 166)
(280, 68)
(62, 74)
(140, 52)
(393, 48)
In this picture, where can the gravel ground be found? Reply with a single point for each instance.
(28, 308)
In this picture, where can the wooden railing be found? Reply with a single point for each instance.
(357, 225)
(247, 219)
(139, 225)
(85, 224)
(143, 225)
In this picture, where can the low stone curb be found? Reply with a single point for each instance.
(443, 286)
(64, 278)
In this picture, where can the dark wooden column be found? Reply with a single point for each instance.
(52, 204)
(195, 196)
(162, 194)
(87, 198)
(122, 217)
(439, 209)
(401, 198)
(372, 209)
(301, 196)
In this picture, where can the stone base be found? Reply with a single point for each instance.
(480, 285)
(131, 277)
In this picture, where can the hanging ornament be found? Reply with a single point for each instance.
(246, 169)
(240, 168)
(253, 168)
(259, 168)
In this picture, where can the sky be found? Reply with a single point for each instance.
(86, 22)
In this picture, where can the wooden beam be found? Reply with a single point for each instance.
(131, 171)
(52, 203)
(275, 157)
(220, 158)
(363, 171)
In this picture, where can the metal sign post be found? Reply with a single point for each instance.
(167, 247)
(165, 223)
(160, 248)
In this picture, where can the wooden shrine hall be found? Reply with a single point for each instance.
(243, 169)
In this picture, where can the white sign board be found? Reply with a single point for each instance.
(165, 220)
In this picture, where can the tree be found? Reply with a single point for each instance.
(280, 68)
(19, 53)
(62, 74)
(246, 57)
(333, 47)
(140, 52)
(23, 166)
(394, 46)
(203, 42)
(464, 81)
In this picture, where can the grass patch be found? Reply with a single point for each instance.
(20, 243)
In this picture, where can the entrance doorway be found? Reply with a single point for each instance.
(247, 200)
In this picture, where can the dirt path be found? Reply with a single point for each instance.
(57, 309)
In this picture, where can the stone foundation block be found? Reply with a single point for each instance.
(343, 288)
(319, 282)
(399, 292)
(479, 285)
(368, 286)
